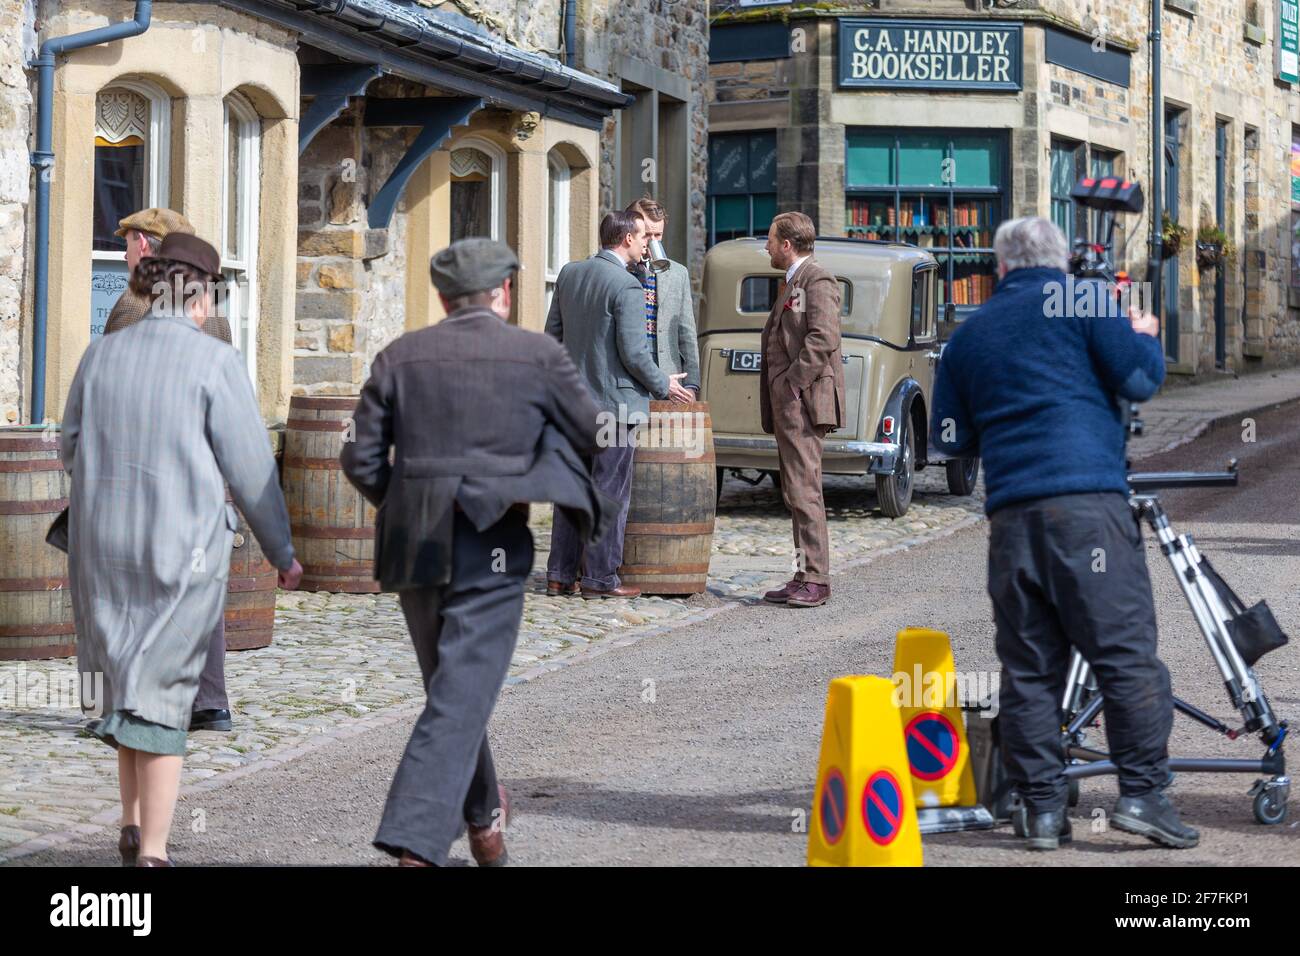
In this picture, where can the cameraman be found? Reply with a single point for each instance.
(1033, 389)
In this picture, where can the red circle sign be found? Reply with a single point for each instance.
(833, 806)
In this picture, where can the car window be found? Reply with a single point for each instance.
(758, 294)
(923, 305)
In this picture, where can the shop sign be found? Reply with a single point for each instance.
(1288, 41)
(930, 54)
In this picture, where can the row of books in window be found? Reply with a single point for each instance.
(922, 212)
(927, 237)
(973, 289)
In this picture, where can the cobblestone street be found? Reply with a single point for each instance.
(339, 661)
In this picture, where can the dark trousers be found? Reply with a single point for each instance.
(1070, 572)
(212, 682)
(611, 472)
(464, 635)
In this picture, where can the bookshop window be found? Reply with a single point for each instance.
(1067, 159)
(1101, 163)
(942, 191)
(742, 185)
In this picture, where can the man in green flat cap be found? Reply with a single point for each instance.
(480, 416)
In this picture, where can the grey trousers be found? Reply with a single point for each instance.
(611, 472)
(464, 635)
(1070, 572)
(212, 682)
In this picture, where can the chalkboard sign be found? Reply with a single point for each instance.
(930, 54)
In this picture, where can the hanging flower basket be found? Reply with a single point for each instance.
(1172, 237)
(1213, 248)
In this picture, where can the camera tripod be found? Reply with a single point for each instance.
(1082, 701)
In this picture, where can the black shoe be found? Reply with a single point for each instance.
(210, 720)
(1047, 830)
(1154, 817)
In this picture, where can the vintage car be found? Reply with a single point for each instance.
(889, 311)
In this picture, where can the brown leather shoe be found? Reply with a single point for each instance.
(622, 591)
(128, 844)
(488, 844)
(558, 589)
(782, 594)
(809, 595)
(152, 861)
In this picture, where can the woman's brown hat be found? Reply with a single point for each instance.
(193, 251)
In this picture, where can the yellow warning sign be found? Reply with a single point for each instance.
(934, 732)
(864, 813)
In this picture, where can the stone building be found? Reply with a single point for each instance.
(328, 149)
(932, 121)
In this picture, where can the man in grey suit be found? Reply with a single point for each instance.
(480, 416)
(598, 312)
(669, 309)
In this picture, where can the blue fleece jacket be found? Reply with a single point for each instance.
(1032, 382)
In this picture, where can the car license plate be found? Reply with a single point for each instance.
(746, 361)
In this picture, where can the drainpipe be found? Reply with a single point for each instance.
(570, 32)
(43, 163)
(1157, 203)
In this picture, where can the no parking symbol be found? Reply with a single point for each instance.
(882, 807)
(932, 745)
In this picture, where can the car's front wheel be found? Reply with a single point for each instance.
(962, 475)
(895, 491)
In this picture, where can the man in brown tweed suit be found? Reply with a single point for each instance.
(144, 232)
(801, 394)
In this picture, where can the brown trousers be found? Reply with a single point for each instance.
(799, 447)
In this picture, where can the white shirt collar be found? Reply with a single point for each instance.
(789, 273)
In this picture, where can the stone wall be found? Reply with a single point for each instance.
(16, 46)
(351, 278)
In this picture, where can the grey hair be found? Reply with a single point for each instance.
(152, 241)
(1031, 243)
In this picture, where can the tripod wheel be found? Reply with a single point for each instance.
(1270, 808)
(1073, 798)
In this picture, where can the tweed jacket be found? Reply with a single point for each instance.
(131, 308)
(801, 348)
(478, 415)
(598, 312)
(677, 343)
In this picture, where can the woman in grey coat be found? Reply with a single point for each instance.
(158, 416)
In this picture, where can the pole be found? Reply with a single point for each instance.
(1157, 204)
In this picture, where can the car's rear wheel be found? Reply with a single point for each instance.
(895, 491)
(962, 475)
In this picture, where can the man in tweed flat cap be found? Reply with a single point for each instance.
(480, 416)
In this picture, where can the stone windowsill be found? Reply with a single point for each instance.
(1186, 7)
(1179, 368)
(1254, 33)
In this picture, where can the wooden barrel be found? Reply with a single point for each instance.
(250, 595)
(333, 526)
(35, 603)
(670, 518)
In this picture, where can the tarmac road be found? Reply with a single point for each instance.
(720, 764)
